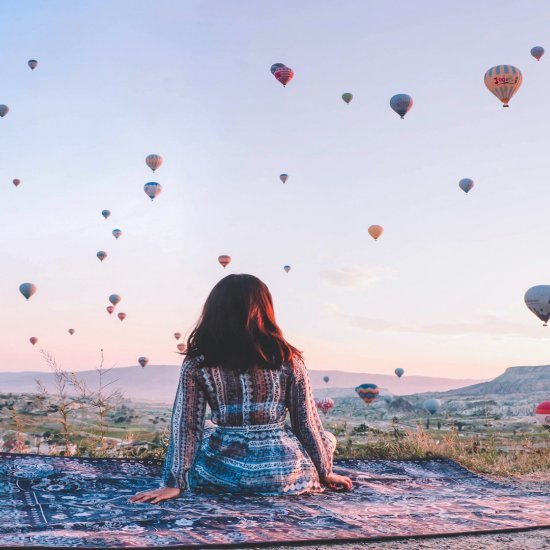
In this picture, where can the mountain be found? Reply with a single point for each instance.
(158, 383)
(514, 380)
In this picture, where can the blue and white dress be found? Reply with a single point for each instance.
(251, 450)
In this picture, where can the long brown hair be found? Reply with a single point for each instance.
(237, 327)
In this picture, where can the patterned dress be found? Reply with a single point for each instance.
(251, 449)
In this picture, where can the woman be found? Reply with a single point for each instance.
(241, 366)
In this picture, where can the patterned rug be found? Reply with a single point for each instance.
(83, 503)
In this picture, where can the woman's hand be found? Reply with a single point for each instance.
(156, 495)
(338, 483)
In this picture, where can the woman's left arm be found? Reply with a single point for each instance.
(186, 427)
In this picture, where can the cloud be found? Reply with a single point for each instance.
(485, 324)
(355, 276)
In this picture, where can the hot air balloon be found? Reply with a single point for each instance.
(117, 233)
(401, 104)
(154, 161)
(347, 97)
(224, 260)
(181, 347)
(177, 335)
(326, 379)
(287, 268)
(152, 189)
(71, 331)
(32, 63)
(114, 299)
(16, 182)
(143, 361)
(33, 340)
(388, 398)
(27, 289)
(542, 413)
(503, 81)
(122, 316)
(432, 405)
(537, 299)
(399, 372)
(4, 110)
(276, 66)
(375, 231)
(105, 213)
(325, 404)
(110, 309)
(101, 255)
(466, 184)
(283, 177)
(537, 52)
(284, 75)
(367, 392)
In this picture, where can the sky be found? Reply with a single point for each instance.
(439, 294)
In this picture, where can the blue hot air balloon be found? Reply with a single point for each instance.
(27, 289)
(401, 104)
(388, 398)
(326, 379)
(399, 372)
(105, 213)
(432, 405)
(466, 184)
(537, 52)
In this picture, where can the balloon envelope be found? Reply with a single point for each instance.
(347, 97)
(117, 233)
(399, 372)
(401, 104)
(466, 184)
(375, 231)
(101, 255)
(181, 347)
(154, 161)
(33, 340)
(284, 75)
(325, 404)
(503, 81)
(32, 63)
(105, 213)
(367, 392)
(110, 309)
(537, 299)
(224, 260)
(27, 289)
(4, 110)
(152, 189)
(177, 335)
(432, 405)
(16, 182)
(143, 361)
(326, 379)
(388, 398)
(276, 66)
(71, 331)
(537, 52)
(114, 299)
(283, 177)
(542, 413)
(122, 316)
(287, 268)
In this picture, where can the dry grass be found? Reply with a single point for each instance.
(480, 455)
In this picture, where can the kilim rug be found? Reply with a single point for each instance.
(83, 503)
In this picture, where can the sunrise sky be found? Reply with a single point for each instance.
(441, 292)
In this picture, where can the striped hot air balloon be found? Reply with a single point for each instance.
(368, 393)
(503, 81)
(224, 260)
(152, 189)
(116, 233)
(154, 161)
(284, 75)
(325, 404)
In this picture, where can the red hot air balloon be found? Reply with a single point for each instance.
(177, 335)
(284, 75)
(114, 299)
(71, 331)
(224, 260)
(325, 404)
(182, 348)
(16, 182)
(122, 316)
(542, 413)
(33, 340)
(110, 309)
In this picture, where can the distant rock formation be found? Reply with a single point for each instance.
(401, 405)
